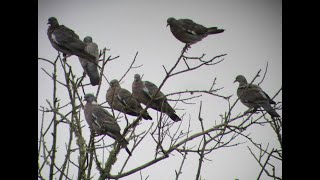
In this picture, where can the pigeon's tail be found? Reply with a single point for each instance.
(94, 80)
(215, 30)
(174, 117)
(128, 151)
(93, 74)
(166, 108)
(124, 144)
(146, 116)
(133, 112)
(123, 141)
(271, 101)
(270, 110)
(273, 113)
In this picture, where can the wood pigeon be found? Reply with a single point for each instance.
(91, 69)
(66, 40)
(102, 122)
(123, 101)
(254, 97)
(143, 91)
(189, 32)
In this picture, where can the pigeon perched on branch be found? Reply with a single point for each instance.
(253, 96)
(102, 122)
(66, 40)
(122, 100)
(91, 69)
(143, 91)
(189, 32)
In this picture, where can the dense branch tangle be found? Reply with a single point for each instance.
(168, 137)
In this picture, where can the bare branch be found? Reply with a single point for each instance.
(130, 67)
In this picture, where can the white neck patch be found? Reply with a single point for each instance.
(94, 102)
(54, 38)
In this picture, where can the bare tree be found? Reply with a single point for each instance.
(169, 138)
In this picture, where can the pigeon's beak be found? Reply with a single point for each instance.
(234, 81)
(167, 25)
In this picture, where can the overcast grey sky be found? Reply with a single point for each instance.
(252, 37)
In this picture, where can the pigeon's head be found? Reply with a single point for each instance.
(87, 39)
(170, 20)
(137, 77)
(241, 79)
(114, 83)
(89, 98)
(52, 21)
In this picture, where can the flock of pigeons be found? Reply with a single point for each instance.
(100, 120)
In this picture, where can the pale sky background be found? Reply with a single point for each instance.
(252, 37)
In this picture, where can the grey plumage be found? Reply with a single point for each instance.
(253, 96)
(101, 121)
(66, 40)
(143, 91)
(189, 32)
(122, 100)
(91, 69)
